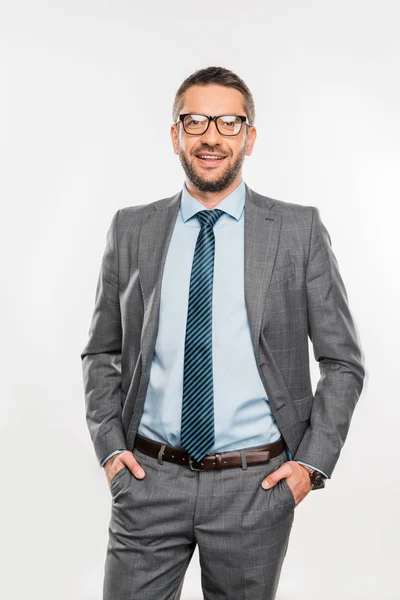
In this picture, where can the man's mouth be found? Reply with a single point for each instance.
(210, 160)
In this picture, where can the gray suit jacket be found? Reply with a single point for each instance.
(293, 290)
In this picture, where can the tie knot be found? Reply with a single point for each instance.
(209, 217)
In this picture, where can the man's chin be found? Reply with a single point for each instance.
(213, 186)
(208, 180)
(207, 175)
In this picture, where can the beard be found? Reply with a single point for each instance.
(213, 185)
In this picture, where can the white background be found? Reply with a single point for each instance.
(85, 110)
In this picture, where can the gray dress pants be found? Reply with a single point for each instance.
(242, 531)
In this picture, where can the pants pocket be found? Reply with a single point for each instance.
(119, 476)
(289, 493)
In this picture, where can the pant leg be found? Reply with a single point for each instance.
(242, 532)
(151, 537)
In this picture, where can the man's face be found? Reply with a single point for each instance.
(217, 175)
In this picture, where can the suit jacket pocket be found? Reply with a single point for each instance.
(282, 273)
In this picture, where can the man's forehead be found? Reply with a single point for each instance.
(212, 99)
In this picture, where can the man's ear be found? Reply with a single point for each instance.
(251, 140)
(174, 138)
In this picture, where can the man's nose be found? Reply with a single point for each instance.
(212, 135)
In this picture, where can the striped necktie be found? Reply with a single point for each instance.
(197, 422)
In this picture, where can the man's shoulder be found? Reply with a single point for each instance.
(149, 207)
(281, 206)
(291, 208)
(293, 214)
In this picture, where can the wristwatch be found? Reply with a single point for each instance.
(316, 478)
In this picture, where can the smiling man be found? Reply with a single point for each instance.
(196, 373)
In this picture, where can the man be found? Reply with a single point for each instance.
(196, 372)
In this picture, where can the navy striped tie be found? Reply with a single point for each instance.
(197, 422)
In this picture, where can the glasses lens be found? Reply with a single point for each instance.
(229, 124)
(195, 123)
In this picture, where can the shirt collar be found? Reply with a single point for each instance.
(232, 204)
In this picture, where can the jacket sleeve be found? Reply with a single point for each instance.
(101, 357)
(335, 346)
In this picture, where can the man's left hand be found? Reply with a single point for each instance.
(297, 478)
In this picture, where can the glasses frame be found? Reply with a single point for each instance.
(241, 117)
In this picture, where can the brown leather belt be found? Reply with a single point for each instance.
(220, 460)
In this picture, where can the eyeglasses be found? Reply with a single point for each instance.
(226, 124)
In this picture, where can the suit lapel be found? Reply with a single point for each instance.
(155, 235)
(261, 237)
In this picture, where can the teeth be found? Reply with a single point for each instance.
(213, 157)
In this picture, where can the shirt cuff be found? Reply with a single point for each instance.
(312, 466)
(103, 462)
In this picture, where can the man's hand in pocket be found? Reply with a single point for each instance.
(296, 477)
(118, 461)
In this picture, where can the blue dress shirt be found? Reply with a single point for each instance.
(242, 412)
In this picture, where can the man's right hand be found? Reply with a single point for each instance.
(118, 461)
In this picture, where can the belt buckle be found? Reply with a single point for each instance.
(190, 460)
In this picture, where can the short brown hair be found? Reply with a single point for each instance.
(216, 76)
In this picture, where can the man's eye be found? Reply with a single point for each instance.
(228, 123)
